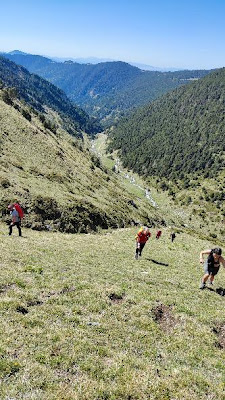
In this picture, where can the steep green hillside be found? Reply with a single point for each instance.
(81, 319)
(40, 94)
(106, 90)
(181, 133)
(59, 182)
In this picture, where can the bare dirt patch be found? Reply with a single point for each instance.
(162, 314)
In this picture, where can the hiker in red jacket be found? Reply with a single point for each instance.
(142, 237)
(19, 209)
(158, 234)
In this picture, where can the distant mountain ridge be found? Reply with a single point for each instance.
(106, 90)
(96, 60)
(181, 133)
(40, 93)
(13, 52)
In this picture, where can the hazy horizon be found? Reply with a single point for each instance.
(166, 34)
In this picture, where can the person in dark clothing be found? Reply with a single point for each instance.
(211, 265)
(15, 220)
(172, 236)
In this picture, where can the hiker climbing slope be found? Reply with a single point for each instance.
(211, 265)
(141, 238)
(16, 220)
(172, 236)
(158, 234)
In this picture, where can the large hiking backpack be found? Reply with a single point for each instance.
(19, 210)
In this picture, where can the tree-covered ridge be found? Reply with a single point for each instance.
(39, 94)
(181, 133)
(28, 61)
(106, 90)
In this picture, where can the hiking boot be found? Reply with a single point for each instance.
(202, 285)
(211, 283)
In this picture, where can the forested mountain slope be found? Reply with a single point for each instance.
(181, 133)
(106, 90)
(42, 95)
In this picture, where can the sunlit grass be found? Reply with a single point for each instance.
(37, 162)
(77, 318)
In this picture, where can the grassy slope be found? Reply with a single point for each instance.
(35, 162)
(76, 343)
(39, 155)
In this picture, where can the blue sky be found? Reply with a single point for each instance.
(161, 33)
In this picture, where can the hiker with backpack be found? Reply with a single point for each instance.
(16, 213)
(141, 238)
(211, 265)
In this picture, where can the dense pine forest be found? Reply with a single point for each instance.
(179, 134)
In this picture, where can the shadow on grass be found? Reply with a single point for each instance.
(15, 236)
(220, 291)
(157, 262)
